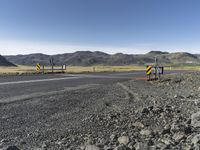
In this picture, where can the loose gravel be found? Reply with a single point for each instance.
(132, 115)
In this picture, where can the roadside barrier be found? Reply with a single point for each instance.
(157, 72)
(43, 69)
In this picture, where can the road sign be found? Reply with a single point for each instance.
(38, 67)
(148, 70)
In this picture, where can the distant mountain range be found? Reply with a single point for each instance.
(4, 62)
(87, 58)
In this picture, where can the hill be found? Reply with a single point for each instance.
(156, 53)
(87, 58)
(30, 59)
(4, 62)
(183, 58)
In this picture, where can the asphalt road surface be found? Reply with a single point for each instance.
(14, 88)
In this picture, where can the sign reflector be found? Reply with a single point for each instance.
(38, 67)
(148, 70)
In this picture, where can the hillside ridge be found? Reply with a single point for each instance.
(5, 62)
(87, 58)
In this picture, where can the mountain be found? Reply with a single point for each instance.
(83, 58)
(155, 53)
(87, 58)
(181, 58)
(4, 62)
(30, 59)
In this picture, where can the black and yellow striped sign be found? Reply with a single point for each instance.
(38, 67)
(148, 70)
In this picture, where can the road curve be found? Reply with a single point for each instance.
(16, 87)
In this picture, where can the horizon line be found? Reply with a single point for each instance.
(103, 52)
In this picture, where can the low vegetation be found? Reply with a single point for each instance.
(89, 69)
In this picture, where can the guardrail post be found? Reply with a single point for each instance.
(65, 67)
(52, 68)
(62, 68)
(93, 69)
(155, 72)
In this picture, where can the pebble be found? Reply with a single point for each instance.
(123, 140)
(138, 125)
(195, 119)
(141, 146)
(178, 136)
(145, 111)
(146, 132)
(3, 141)
(196, 139)
(122, 147)
(91, 147)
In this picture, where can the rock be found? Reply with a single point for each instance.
(12, 148)
(3, 141)
(152, 147)
(196, 147)
(141, 146)
(178, 136)
(107, 148)
(113, 137)
(91, 147)
(166, 130)
(122, 147)
(167, 141)
(123, 140)
(146, 132)
(176, 96)
(174, 127)
(22, 142)
(131, 144)
(195, 119)
(44, 145)
(138, 125)
(196, 139)
(188, 129)
(188, 121)
(150, 108)
(145, 111)
(60, 142)
(161, 145)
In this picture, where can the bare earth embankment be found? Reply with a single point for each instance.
(123, 116)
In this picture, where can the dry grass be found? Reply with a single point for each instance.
(17, 70)
(79, 69)
(194, 68)
(70, 69)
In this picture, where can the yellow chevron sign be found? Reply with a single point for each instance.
(148, 70)
(38, 67)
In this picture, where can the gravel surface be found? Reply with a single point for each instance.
(131, 115)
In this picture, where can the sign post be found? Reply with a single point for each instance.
(52, 64)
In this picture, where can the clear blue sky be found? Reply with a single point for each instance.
(129, 26)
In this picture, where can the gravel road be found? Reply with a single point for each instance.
(128, 115)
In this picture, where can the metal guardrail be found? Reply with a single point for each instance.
(42, 68)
